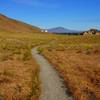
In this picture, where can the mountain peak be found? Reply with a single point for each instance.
(62, 30)
(60, 27)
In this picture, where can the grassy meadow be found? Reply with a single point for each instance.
(77, 58)
(19, 72)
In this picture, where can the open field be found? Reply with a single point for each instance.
(77, 58)
(19, 72)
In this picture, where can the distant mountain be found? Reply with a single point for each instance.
(11, 25)
(62, 30)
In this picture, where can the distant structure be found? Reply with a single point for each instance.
(44, 30)
(92, 32)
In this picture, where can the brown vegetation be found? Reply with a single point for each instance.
(11, 25)
(18, 71)
(78, 64)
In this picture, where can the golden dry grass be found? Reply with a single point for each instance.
(78, 61)
(19, 80)
(11, 25)
(19, 72)
(75, 57)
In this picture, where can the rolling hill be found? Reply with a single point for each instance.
(10, 25)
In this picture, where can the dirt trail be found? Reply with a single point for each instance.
(52, 85)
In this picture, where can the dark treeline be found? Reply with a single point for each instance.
(69, 33)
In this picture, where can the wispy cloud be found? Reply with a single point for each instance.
(39, 3)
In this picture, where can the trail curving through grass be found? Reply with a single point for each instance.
(52, 86)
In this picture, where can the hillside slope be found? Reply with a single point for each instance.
(11, 25)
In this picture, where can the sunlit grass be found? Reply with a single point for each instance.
(77, 60)
(19, 72)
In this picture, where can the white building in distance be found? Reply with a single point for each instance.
(44, 30)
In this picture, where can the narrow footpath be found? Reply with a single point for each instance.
(52, 84)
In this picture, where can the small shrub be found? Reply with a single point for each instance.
(40, 50)
(88, 49)
(27, 56)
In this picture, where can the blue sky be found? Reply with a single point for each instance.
(71, 14)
